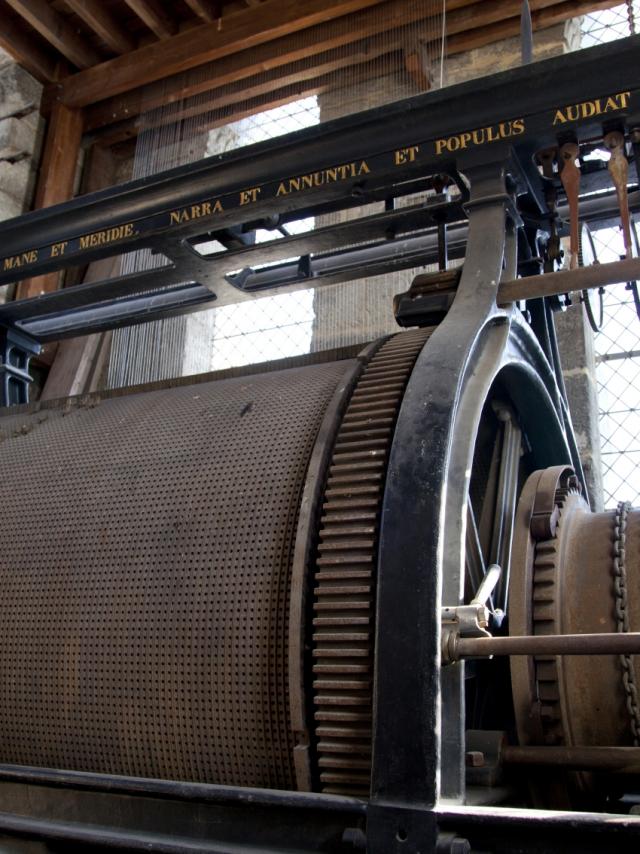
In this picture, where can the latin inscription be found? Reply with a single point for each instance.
(480, 136)
(402, 156)
(108, 235)
(589, 109)
(353, 170)
(195, 212)
(16, 262)
(322, 177)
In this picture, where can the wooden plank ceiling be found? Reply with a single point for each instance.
(116, 59)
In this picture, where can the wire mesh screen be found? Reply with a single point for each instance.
(617, 348)
(394, 56)
(617, 345)
(610, 24)
(273, 327)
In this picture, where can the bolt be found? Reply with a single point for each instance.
(474, 759)
(448, 843)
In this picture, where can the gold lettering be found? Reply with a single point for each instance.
(588, 109)
(185, 214)
(406, 155)
(480, 136)
(320, 178)
(18, 261)
(109, 235)
(247, 197)
(58, 249)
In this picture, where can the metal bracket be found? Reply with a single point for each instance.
(544, 518)
(16, 350)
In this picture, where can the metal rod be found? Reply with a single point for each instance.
(566, 281)
(206, 793)
(623, 760)
(102, 837)
(595, 644)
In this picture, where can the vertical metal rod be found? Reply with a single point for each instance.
(506, 501)
(475, 565)
(526, 33)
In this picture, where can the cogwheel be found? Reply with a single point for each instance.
(344, 570)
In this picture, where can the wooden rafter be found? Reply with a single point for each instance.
(280, 52)
(103, 22)
(301, 74)
(18, 44)
(56, 179)
(228, 101)
(417, 67)
(55, 29)
(155, 17)
(186, 50)
(207, 10)
(267, 101)
(542, 18)
(468, 22)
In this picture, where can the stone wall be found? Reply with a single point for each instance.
(21, 129)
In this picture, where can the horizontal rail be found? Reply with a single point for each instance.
(623, 760)
(588, 644)
(566, 281)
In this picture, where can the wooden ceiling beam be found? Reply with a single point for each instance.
(104, 23)
(56, 180)
(275, 97)
(154, 16)
(207, 10)
(237, 95)
(55, 29)
(462, 16)
(205, 43)
(542, 18)
(264, 58)
(232, 99)
(21, 46)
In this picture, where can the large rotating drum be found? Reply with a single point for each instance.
(146, 616)
(197, 600)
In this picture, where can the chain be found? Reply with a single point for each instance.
(622, 614)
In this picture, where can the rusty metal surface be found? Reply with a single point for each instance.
(145, 611)
(563, 584)
(344, 571)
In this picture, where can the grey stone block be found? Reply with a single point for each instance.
(17, 180)
(575, 341)
(9, 207)
(16, 139)
(19, 91)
